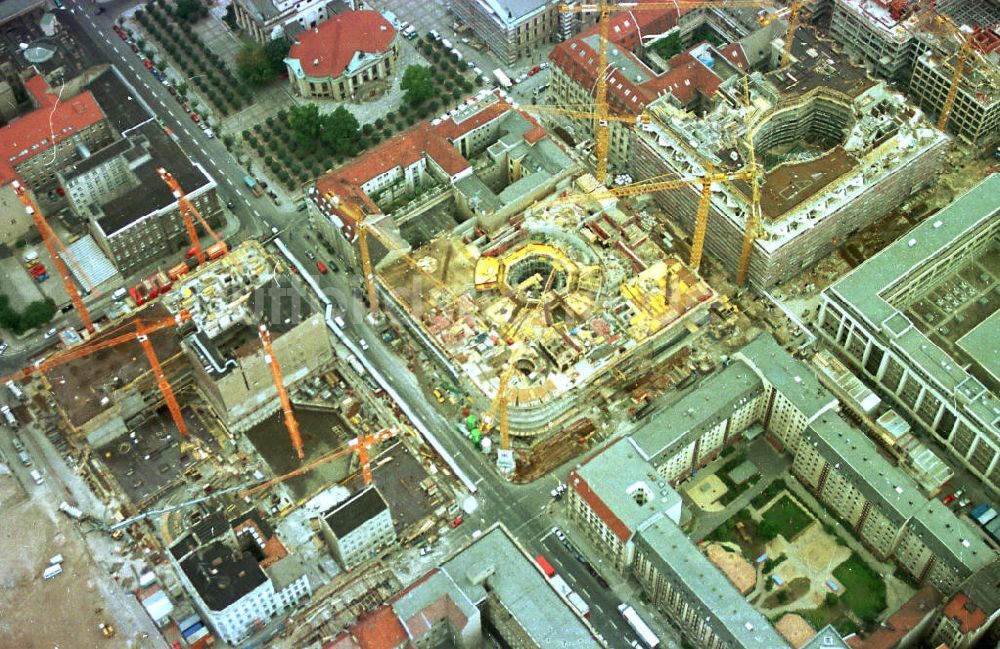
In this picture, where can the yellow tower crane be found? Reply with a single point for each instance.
(604, 9)
(956, 77)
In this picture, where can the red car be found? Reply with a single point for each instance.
(949, 499)
(194, 116)
(533, 71)
(457, 522)
(148, 64)
(321, 267)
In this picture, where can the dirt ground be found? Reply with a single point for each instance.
(813, 555)
(64, 611)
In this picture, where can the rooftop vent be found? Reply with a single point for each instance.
(315, 61)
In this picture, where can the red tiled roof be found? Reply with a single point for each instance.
(968, 616)
(420, 141)
(379, 630)
(901, 623)
(736, 55)
(685, 76)
(53, 120)
(334, 42)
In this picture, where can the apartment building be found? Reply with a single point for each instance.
(683, 584)
(133, 215)
(879, 320)
(759, 388)
(512, 29)
(64, 130)
(359, 528)
(612, 493)
(238, 573)
(491, 583)
(344, 57)
(517, 164)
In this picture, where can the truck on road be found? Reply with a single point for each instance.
(639, 626)
(502, 79)
(254, 186)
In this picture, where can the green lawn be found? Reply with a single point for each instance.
(769, 493)
(864, 589)
(783, 517)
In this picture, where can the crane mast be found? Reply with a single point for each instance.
(49, 239)
(279, 384)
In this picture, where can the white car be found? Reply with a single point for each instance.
(339, 321)
(364, 345)
(543, 65)
(51, 332)
(521, 78)
(558, 534)
(3, 347)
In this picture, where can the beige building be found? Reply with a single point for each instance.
(359, 528)
(348, 57)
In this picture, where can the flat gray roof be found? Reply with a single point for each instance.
(975, 214)
(952, 539)
(618, 474)
(715, 400)
(893, 492)
(706, 589)
(10, 9)
(511, 12)
(981, 344)
(496, 561)
(795, 380)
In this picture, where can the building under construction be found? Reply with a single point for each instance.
(568, 297)
(228, 300)
(922, 47)
(838, 150)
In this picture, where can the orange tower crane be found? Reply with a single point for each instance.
(361, 444)
(279, 384)
(187, 208)
(142, 331)
(49, 239)
(351, 447)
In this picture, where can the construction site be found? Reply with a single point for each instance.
(833, 151)
(541, 315)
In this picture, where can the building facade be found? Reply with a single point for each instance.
(970, 615)
(866, 317)
(238, 574)
(513, 29)
(359, 528)
(342, 58)
(64, 131)
(266, 20)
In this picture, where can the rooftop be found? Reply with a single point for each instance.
(893, 492)
(795, 380)
(869, 290)
(495, 569)
(52, 121)
(341, 44)
(11, 9)
(677, 425)
(710, 594)
(510, 12)
(222, 575)
(355, 512)
(152, 148)
(623, 488)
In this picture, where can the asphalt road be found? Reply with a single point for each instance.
(521, 508)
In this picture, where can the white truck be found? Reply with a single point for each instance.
(17, 391)
(70, 510)
(502, 79)
(8, 416)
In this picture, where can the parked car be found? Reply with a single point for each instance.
(558, 533)
(310, 255)
(457, 522)
(51, 332)
(364, 345)
(3, 347)
(148, 64)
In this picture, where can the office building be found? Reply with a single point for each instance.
(512, 29)
(918, 321)
(266, 20)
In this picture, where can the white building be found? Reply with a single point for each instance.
(238, 574)
(358, 528)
